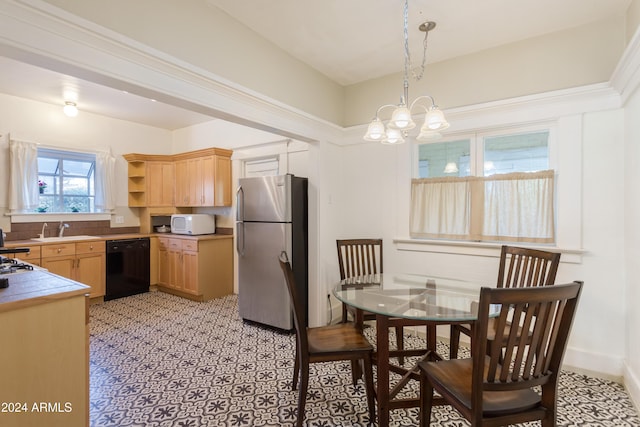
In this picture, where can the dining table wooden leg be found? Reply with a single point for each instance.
(382, 392)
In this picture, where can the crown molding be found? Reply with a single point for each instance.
(626, 76)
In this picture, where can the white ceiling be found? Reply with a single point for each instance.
(355, 40)
(347, 40)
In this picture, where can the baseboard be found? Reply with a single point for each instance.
(632, 384)
(604, 366)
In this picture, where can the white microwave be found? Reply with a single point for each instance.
(193, 224)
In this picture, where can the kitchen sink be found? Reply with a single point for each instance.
(63, 239)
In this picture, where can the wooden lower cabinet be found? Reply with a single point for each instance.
(45, 364)
(83, 262)
(199, 269)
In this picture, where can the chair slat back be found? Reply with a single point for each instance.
(359, 257)
(533, 352)
(523, 267)
(298, 316)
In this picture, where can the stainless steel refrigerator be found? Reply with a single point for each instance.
(271, 217)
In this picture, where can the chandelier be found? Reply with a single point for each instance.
(397, 128)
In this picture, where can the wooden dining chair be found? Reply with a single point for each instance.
(358, 257)
(498, 385)
(343, 341)
(519, 268)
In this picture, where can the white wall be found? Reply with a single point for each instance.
(46, 124)
(631, 244)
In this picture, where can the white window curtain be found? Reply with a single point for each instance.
(440, 208)
(516, 207)
(519, 207)
(23, 177)
(105, 181)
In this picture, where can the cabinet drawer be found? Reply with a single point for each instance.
(58, 250)
(168, 243)
(90, 247)
(33, 255)
(190, 245)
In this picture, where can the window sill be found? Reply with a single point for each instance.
(573, 256)
(58, 216)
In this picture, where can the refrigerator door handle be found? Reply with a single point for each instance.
(239, 203)
(240, 238)
(239, 219)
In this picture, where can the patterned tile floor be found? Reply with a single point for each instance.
(160, 360)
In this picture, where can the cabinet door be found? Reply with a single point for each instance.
(190, 272)
(62, 266)
(182, 182)
(90, 271)
(163, 266)
(222, 192)
(195, 182)
(208, 180)
(160, 184)
(175, 268)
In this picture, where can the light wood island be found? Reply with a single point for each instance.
(44, 379)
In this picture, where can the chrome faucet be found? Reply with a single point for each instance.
(42, 232)
(61, 228)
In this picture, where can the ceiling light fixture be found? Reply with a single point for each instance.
(70, 109)
(401, 121)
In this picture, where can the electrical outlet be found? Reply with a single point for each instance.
(119, 219)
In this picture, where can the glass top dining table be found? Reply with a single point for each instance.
(407, 300)
(412, 296)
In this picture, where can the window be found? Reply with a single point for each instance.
(488, 187)
(66, 181)
(261, 167)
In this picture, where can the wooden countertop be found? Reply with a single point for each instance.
(37, 287)
(18, 243)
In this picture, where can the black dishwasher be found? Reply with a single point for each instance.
(127, 267)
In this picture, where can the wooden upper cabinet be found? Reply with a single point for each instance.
(182, 183)
(160, 184)
(222, 181)
(193, 179)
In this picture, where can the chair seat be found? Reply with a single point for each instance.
(340, 338)
(456, 374)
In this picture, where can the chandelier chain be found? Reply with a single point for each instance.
(407, 55)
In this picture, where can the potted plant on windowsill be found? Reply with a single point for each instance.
(41, 186)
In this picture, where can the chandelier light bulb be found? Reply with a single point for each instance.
(375, 131)
(70, 109)
(435, 119)
(427, 134)
(393, 136)
(401, 119)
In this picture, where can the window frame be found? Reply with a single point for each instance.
(476, 144)
(63, 155)
(476, 139)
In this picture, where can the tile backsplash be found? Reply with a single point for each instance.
(29, 230)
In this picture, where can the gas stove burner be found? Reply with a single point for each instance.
(14, 267)
(5, 260)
